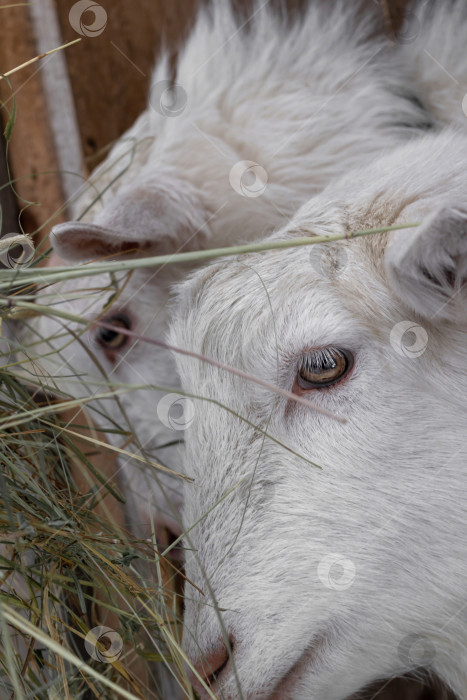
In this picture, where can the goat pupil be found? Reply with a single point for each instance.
(108, 335)
(112, 338)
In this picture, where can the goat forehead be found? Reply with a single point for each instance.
(256, 301)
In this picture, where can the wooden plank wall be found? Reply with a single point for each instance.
(8, 202)
(31, 149)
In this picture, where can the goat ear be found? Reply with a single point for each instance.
(137, 222)
(427, 266)
(78, 242)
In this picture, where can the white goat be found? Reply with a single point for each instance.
(290, 105)
(333, 576)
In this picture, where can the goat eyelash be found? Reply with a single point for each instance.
(315, 359)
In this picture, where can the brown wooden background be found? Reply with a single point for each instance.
(109, 77)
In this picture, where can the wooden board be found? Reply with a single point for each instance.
(31, 150)
(7, 197)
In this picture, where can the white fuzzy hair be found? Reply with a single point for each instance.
(431, 47)
(307, 100)
(303, 97)
(334, 576)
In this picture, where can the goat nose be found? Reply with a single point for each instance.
(210, 667)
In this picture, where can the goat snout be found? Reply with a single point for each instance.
(210, 666)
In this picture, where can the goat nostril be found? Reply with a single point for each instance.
(212, 665)
(222, 660)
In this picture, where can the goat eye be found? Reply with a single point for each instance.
(323, 367)
(110, 337)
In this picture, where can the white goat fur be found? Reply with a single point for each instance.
(306, 102)
(390, 497)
